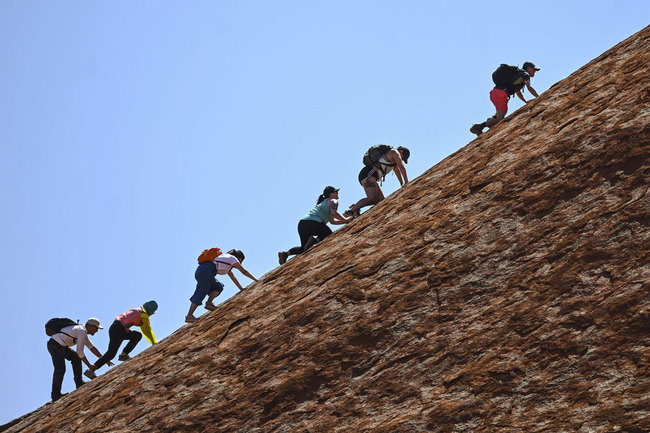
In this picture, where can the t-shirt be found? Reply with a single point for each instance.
(224, 263)
(71, 335)
(321, 213)
(137, 317)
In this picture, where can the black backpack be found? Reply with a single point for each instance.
(54, 326)
(505, 75)
(374, 154)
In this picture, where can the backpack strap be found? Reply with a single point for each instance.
(74, 340)
(380, 167)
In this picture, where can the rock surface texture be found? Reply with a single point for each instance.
(506, 289)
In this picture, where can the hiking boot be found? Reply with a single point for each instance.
(282, 257)
(476, 129)
(90, 374)
(124, 357)
(190, 319)
(58, 396)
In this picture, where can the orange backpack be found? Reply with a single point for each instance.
(209, 255)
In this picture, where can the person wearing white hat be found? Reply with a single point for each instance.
(59, 347)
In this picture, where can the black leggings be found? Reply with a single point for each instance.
(117, 333)
(307, 229)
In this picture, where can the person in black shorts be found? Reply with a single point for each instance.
(369, 178)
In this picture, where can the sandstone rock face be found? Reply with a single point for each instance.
(506, 289)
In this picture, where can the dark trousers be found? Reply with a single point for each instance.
(118, 333)
(59, 355)
(307, 229)
(206, 282)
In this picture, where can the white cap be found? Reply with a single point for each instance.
(94, 322)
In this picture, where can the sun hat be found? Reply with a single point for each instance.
(95, 322)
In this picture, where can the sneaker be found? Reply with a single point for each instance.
(90, 374)
(282, 257)
(190, 319)
(476, 129)
(58, 396)
(124, 357)
(348, 213)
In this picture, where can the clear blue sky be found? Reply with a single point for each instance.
(136, 134)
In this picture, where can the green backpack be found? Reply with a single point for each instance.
(374, 154)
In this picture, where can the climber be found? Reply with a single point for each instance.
(59, 347)
(120, 330)
(509, 80)
(379, 161)
(206, 281)
(315, 223)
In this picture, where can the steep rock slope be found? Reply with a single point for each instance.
(505, 289)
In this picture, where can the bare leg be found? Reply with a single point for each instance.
(374, 194)
(209, 305)
(495, 119)
(193, 308)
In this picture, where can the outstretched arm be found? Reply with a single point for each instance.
(400, 171)
(234, 280)
(521, 96)
(241, 269)
(146, 328)
(98, 354)
(531, 90)
(337, 219)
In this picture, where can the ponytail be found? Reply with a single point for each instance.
(320, 199)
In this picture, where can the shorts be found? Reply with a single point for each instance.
(500, 99)
(366, 172)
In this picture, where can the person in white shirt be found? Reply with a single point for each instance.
(206, 281)
(59, 347)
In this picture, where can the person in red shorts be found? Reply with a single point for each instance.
(501, 93)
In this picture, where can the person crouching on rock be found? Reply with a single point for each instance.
(59, 347)
(508, 80)
(120, 330)
(315, 223)
(369, 176)
(206, 281)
